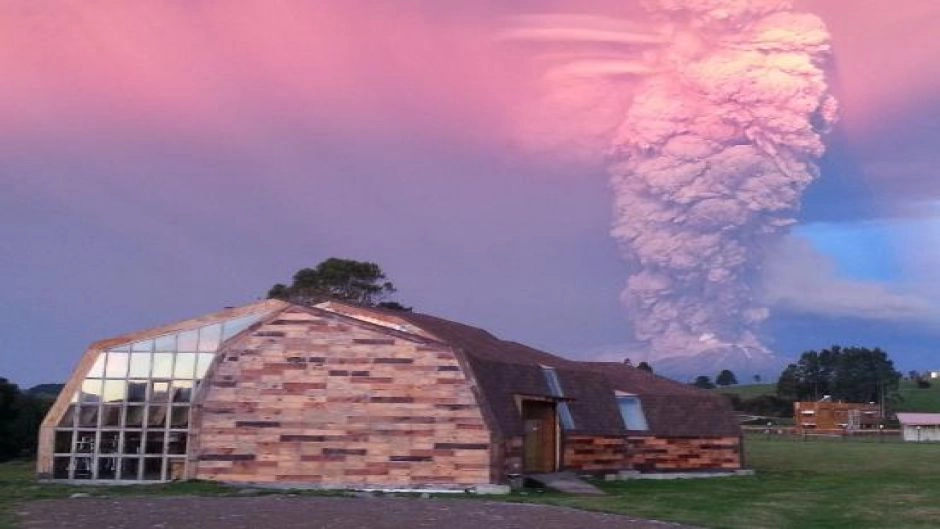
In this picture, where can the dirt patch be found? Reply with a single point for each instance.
(287, 512)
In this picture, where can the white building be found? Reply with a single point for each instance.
(920, 427)
(934, 374)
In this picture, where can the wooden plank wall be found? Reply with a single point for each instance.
(595, 453)
(315, 399)
(651, 454)
(684, 453)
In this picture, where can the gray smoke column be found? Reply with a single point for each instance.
(724, 105)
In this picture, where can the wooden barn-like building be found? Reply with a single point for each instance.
(337, 395)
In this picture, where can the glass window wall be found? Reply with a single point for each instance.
(129, 419)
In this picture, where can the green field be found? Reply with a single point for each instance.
(912, 397)
(799, 484)
(915, 399)
(748, 391)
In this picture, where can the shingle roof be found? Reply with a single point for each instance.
(505, 369)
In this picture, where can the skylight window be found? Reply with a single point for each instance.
(631, 410)
(554, 387)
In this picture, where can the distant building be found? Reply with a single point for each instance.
(934, 374)
(920, 427)
(826, 416)
(343, 396)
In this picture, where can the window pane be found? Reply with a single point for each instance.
(159, 391)
(111, 416)
(551, 378)
(632, 413)
(182, 390)
(154, 443)
(137, 390)
(134, 417)
(140, 365)
(60, 468)
(205, 359)
(82, 467)
(107, 467)
(156, 417)
(176, 443)
(142, 347)
(564, 414)
(97, 370)
(153, 468)
(68, 418)
(88, 416)
(91, 390)
(132, 442)
(185, 365)
(117, 365)
(233, 327)
(180, 418)
(115, 390)
(166, 344)
(129, 468)
(63, 441)
(85, 442)
(209, 338)
(187, 341)
(162, 365)
(109, 443)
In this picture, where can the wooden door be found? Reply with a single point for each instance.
(541, 436)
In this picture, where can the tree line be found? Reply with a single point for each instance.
(849, 374)
(725, 378)
(21, 413)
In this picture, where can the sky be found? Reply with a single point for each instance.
(161, 160)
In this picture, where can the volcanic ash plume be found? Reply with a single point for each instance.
(725, 101)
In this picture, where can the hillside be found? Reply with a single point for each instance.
(49, 391)
(923, 400)
(749, 391)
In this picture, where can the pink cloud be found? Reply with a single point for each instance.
(885, 52)
(232, 67)
(197, 67)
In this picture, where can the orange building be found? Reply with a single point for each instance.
(826, 416)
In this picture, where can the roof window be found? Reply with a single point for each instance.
(631, 410)
(554, 388)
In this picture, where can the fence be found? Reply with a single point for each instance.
(758, 433)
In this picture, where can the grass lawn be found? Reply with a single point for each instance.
(17, 484)
(813, 484)
(807, 485)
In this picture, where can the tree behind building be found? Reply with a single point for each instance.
(359, 282)
(851, 374)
